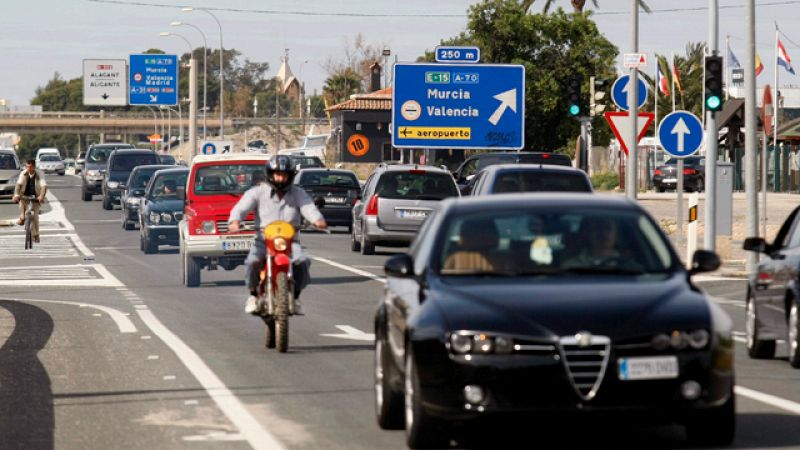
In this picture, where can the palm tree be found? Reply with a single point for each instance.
(576, 4)
(340, 86)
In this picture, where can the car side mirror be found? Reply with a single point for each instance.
(704, 261)
(400, 266)
(755, 244)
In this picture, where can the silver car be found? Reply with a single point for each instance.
(48, 163)
(395, 201)
(9, 172)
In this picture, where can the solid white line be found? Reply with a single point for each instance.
(363, 273)
(248, 426)
(124, 324)
(96, 220)
(769, 399)
(61, 217)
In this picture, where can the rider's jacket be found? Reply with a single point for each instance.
(39, 183)
(269, 207)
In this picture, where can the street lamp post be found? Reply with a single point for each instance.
(255, 107)
(192, 93)
(205, 73)
(221, 72)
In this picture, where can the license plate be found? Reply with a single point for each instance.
(648, 368)
(669, 180)
(237, 245)
(412, 214)
(337, 200)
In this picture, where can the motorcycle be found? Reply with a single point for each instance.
(276, 290)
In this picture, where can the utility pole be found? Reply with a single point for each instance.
(277, 116)
(750, 143)
(631, 184)
(193, 105)
(710, 233)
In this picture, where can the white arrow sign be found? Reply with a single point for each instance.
(681, 130)
(508, 99)
(351, 333)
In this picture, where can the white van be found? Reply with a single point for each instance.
(47, 151)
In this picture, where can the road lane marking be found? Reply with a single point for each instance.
(351, 333)
(60, 275)
(214, 436)
(152, 357)
(59, 214)
(249, 427)
(351, 269)
(169, 377)
(124, 324)
(769, 399)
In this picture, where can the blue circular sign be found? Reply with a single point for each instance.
(681, 134)
(619, 92)
(209, 148)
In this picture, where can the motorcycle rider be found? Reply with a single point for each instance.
(31, 182)
(277, 199)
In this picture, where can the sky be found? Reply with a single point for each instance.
(40, 37)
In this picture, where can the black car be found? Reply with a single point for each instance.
(133, 193)
(334, 192)
(120, 165)
(162, 209)
(465, 174)
(773, 294)
(94, 167)
(549, 304)
(508, 178)
(694, 174)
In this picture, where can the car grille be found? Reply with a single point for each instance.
(222, 225)
(585, 360)
(535, 348)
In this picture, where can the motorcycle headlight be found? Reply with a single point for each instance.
(166, 217)
(113, 184)
(279, 244)
(208, 227)
(155, 218)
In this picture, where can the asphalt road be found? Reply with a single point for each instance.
(102, 348)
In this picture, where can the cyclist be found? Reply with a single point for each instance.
(277, 199)
(31, 183)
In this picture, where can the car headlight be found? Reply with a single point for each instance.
(463, 342)
(166, 217)
(680, 340)
(113, 184)
(279, 244)
(208, 227)
(92, 173)
(699, 339)
(155, 218)
(132, 201)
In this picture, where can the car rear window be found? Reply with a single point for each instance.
(541, 181)
(546, 158)
(8, 162)
(328, 179)
(227, 178)
(126, 163)
(416, 184)
(487, 161)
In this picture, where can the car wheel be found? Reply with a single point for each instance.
(354, 244)
(107, 203)
(756, 348)
(367, 247)
(388, 402)
(86, 195)
(794, 336)
(421, 428)
(715, 427)
(191, 271)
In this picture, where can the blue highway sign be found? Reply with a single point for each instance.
(619, 92)
(681, 134)
(153, 80)
(458, 106)
(458, 54)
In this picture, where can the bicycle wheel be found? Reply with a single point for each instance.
(28, 231)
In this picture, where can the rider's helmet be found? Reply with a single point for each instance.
(281, 163)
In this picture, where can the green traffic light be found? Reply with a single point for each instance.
(574, 110)
(713, 102)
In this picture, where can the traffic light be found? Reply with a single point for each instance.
(597, 93)
(713, 83)
(574, 94)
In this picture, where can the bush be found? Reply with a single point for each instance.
(605, 181)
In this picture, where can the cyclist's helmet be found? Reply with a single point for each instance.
(281, 163)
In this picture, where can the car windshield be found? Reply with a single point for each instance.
(101, 154)
(312, 179)
(416, 184)
(227, 178)
(8, 162)
(140, 178)
(49, 158)
(306, 161)
(126, 163)
(169, 186)
(562, 242)
(166, 159)
(540, 181)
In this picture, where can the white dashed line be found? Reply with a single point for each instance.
(123, 323)
(351, 269)
(769, 399)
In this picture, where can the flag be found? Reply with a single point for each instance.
(783, 58)
(733, 63)
(759, 65)
(661, 81)
(677, 76)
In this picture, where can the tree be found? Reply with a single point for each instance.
(549, 46)
(690, 72)
(355, 65)
(340, 86)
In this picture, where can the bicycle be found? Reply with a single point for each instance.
(29, 220)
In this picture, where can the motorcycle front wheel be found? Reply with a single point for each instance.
(269, 332)
(282, 298)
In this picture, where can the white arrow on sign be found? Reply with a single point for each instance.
(351, 333)
(508, 99)
(681, 130)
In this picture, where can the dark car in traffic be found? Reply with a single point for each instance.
(508, 178)
(334, 191)
(549, 304)
(120, 165)
(162, 209)
(93, 170)
(772, 311)
(465, 173)
(694, 174)
(167, 160)
(133, 193)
